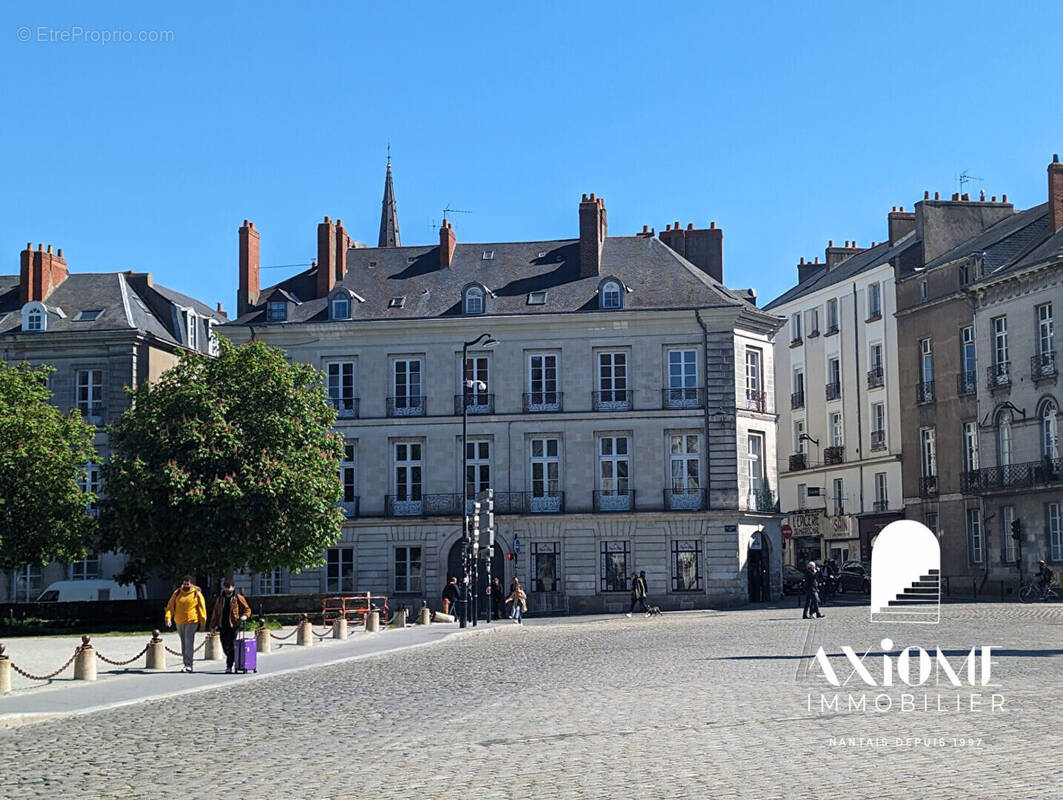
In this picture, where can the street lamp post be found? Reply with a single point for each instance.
(467, 384)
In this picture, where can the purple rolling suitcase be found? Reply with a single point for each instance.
(246, 654)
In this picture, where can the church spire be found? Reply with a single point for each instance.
(389, 215)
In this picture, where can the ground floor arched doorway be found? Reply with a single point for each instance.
(758, 568)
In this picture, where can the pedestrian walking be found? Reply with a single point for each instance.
(230, 609)
(638, 593)
(188, 610)
(498, 598)
(520, 602)
(811, 587)
(451, 596)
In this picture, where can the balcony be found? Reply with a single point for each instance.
(351, 507)
(874, 316)
(924, 393)
(876, 377)
(881, 505)
(92, 411)
(796, 342)
(928, 486)
(683, 397)
(999, 375)
(685, 499)
(614, 500)
(408, 406)
(1043, 366)
(548, 502)
(833, 455)
(831, 329)
(542, 402)
(797, 400)
(762, 500)
(756, 401)
(834, 391)
(509, 503)
(346, 407)
(474, 403)
(878, 440)
(966, 383)
(612, 400)
(798, 462)
(1011, 477)
(423, 505)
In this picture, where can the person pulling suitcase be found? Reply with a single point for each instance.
(230, 610)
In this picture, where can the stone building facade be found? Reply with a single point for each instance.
(614, 419)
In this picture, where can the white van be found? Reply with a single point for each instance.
(63, 591)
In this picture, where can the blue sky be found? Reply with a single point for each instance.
(788, 124)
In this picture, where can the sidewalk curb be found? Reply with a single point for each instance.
(9, 721)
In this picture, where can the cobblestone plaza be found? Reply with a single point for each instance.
(698, 704)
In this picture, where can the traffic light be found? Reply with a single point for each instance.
(1016, 529)
(491, 518)
(510, 556)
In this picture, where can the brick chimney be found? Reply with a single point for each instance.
(900, 223)
(592, 229)
(836, 255)
(343, 241)
(326, 257)
(249, 266)
(40, 272)
(1055, 194)
(702, 247)
(447, 242)
(673, 236)
(806, 269)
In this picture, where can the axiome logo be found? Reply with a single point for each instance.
(906, 574)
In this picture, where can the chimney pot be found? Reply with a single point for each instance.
(902, 209)
(937, 195)
(584, 197)
(1055, 158)
(645, 228)
(993, 199)
(326, 219)
(966, 197)
(219, 308)
(690, 226)
(40, 247)
(49, 250)
(816, 260)
(59, 252)
(926, 195)
(981, 196)
(593, 226)
(1003, 198)
(712, 225)
(802, 261)
(830, 243)
(677, 224)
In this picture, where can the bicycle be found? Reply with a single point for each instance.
(1031, 591)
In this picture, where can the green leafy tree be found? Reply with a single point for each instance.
(43, 510)
(225, 464)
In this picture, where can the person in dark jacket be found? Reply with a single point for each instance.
(451, 596)
(230, 609)
(498, 598)
(638, 594)
(811, 586)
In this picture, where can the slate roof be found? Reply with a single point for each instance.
(1003, 242)
(125, 302)
(653, 275)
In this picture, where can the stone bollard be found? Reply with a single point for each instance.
(305, 637)
(339, 629)
(156, 652)
(5, 672)
(424, 617)
(212, 647)
(85, 662)
(372, 622)
(262, 640)
(400, 618)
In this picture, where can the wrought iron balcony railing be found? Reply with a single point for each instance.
(999, 375)
(474, 403)
(756, 401)
(966, 383)
(928, 486)
(346, 407)
(834, 455)
(614, 500)
(876, 376)
(423, 505)
(798, 461)
(351, 507)
(797, 400)
(924, 393)
(878, 440)
(612, 400)
(834, 391)
(408, 406)
(881, 505)
(762, 500)
(685, 499)
(683, 397)
(548, 502)
(1043, 365)
(542, 401)
(1010, 477)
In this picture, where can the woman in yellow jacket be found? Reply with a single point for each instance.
(188, 610)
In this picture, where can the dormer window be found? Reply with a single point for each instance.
(474, 300)
(34, 317)
(609, 295)
(212, 338)
(276, 311)
(397, 302)
(341, 307)
(536, 298)
(193, 331)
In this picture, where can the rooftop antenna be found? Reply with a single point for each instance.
(966, 178)
(449, 210)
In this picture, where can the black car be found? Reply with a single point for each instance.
(792, 579)
(855, 577)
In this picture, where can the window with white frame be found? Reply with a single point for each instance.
(546, 566)
(970, 446)
(974, 535)
(340, 378)
(614, 465)
(686, 565)
(474, 300)
(882, 493)
(341, 307)
(91, 483)
(802, 495)
(27, 584)
(1044, 330)
(610, 296)
(837, 430)
(832, 315)
(193, 330)
(612, 379)
(545, 473)
(615, 558)
(798, 387)
(878, 419)
(349, 476)
(87, 569)
(1055, 531)
(799, 436)
(477, 467)
(682, 377)
(874, 300)
(406, 385)
(542, 380)
(813, 322)
(754, 377)
(1000, 341)
(755, 462)
(926, 361)
(685, 462)
(928, 452)
(271, 582)
(477, 380)
(409, 571)
(875, 357)
(90, 393)
(1004, 438)
(339, 569)
(1008, 544)
(1050, 430)
(276, 311)
(834, 374)
(409, 467)
(795, 327)
(213, 347)
(931, 521)
(839, 496)
(967, 359)
(924, 292)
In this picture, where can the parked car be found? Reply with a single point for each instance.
(855, 576)
(63, 591)
(792, 578)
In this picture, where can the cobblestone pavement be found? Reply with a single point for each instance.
(706, 704)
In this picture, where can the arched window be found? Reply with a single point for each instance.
(474, 300)
(1004, 438)
(341, 307)
(610, 295)
(1050, 430)
(34, 317)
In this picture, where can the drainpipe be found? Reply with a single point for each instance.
(705, 405)
(859, 402)
(973, 297)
